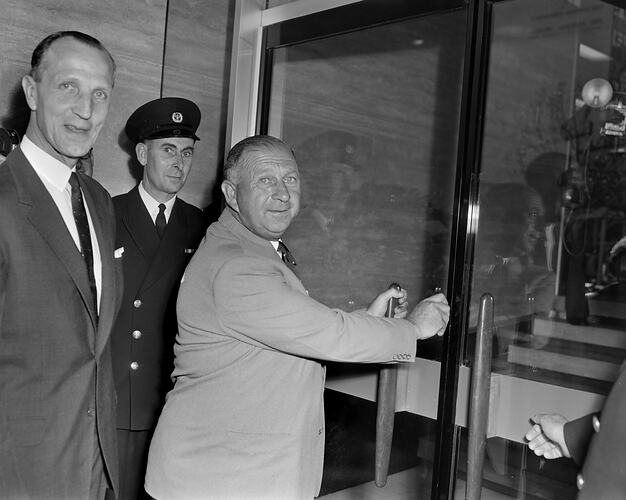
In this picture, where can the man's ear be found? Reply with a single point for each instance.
(29, 86)
(229, 190)
(141, 150)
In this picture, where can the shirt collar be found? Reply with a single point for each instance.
(153, 205)
(52, 170)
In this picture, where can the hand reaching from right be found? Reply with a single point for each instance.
(546, 437)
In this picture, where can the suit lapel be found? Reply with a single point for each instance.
(104, 236)
(45, 217)
(139, 225)
(169, 252)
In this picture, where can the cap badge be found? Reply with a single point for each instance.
(177, 117)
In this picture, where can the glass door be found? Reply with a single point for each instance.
(454, 145)
(551, 199)
(372, 113)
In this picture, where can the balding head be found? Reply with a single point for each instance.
(239, 155)
(262, 185)
(37, 60)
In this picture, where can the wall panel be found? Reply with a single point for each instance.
(133, 31)
(196, 66)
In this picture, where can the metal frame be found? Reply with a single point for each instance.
(463, 239)
(251, 17)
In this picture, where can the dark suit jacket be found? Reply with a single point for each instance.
(56, 381)
(152, 272)
(604, 469)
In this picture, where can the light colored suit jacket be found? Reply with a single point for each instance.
(245, 418)
(56, 385)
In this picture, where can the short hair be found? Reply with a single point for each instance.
(43, 46)
(234, 159)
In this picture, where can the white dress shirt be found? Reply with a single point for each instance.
(152, 205)
(55, 176)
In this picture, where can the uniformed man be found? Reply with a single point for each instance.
(157, 233)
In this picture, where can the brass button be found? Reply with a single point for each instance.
(596, 423)
(580, 482)
(134, 365)
(91, 412)
(137, 304)
(137, 334)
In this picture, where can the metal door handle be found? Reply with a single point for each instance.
(479, 398)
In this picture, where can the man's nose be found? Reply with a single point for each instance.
(281, 192)
(178, 160)
(83, 106)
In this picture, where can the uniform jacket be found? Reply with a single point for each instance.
(145, 329)
(56, 380)
(602, 448)
(245, 418)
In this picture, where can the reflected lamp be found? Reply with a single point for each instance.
(597, 93)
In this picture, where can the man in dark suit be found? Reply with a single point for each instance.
(599, 446)
(157, 233)
(60, 285)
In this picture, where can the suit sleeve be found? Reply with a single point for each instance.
(256, 305)
(578, 434)
(604, 470)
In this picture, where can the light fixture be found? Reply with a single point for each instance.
(597, 92)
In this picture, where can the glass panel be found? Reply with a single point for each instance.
(552, 205)
(372, 116)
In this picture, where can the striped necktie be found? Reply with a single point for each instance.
(84, 235)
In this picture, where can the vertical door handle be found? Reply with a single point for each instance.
(479, 398)
(385, 411)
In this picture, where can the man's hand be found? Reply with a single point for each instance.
(430, 316)
(378, 307)
(546, 438)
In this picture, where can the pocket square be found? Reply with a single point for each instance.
(190, 250)
(118, 253)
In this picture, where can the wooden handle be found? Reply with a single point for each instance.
(385, 413)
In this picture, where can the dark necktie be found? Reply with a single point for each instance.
(285, 254)
(84, 236)
(160, 222)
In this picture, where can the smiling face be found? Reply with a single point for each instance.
(166, 163)
(69, 101)
(266, 194)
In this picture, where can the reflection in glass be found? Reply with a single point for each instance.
(552, 206)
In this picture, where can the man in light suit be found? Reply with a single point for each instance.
(60, 285)
(245, 418)
(164, 132)
(596, 442)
